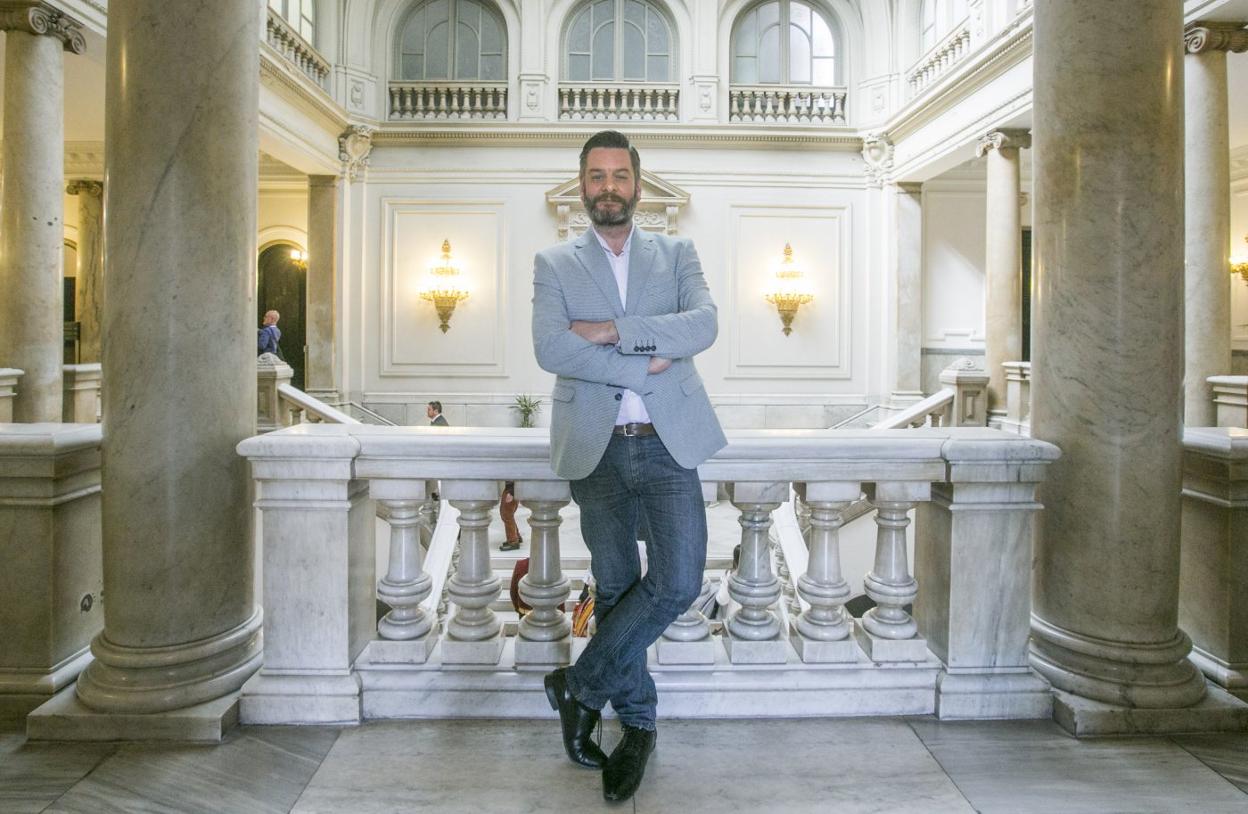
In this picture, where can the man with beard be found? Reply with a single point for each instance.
(618, 315)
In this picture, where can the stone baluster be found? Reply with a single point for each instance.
(687, 640)
(1230, 397)
(821, 633)
(81, 402)
(752, 635)
(887, 631)
(9, 378)
(407, 627)
(545, 635)
(473, 634)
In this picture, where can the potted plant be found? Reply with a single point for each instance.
(527, 406)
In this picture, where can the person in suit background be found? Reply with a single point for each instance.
(433, 411)
(618, 315)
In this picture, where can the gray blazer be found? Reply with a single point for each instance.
(669, 313)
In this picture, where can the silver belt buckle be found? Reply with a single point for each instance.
(630, 430)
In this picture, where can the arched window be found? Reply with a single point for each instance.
(937, 18)
(784, 42)
(619, 40)
(301, 14)
(452, 39)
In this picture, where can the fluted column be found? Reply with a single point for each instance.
(1109, 365)
(32, 230)
(1207, 343)
(1003, 260)
(323, 192)
(181, 624)
(90, 272)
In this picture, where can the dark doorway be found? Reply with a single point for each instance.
(1026, 295)
(283, 287)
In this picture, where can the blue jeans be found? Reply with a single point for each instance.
(637, 479)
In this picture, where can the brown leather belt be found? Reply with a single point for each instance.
(633, 430)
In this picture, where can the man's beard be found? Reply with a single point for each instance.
(604, 217)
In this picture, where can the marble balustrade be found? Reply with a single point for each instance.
(962, 653)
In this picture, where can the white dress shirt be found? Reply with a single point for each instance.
(632, 408)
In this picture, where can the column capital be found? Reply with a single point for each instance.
(42, 19)
(1204, 36)
(354, 147)
(1003, 139)
(82, 186)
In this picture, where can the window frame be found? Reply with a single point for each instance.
(673, 51)
(784, 23)
(488, 7)
(283, 9)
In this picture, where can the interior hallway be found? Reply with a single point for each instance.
(827, 765)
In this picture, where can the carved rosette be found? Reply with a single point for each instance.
(877, 152)
(42, 19)
(1203, 37)
(355, 145)
(84, 187)
(1003, 140)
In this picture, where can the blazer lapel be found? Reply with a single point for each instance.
(640, 262)
(592, 257)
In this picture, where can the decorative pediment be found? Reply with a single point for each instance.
(657, 211)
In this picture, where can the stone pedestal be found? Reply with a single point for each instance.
(9, 382)
(1003, 263)
(32, 229)
(50, 547)
(181, 624)
(1207, 180)
(89, 280)
(1017, 419)
(969, 383)
(1109, 366)
(1213, 590)
(1230, 398)
(271, 373)
(322, 278)
(81, 404)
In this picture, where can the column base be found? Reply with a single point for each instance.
(543, 656)
(702, 651)
(879, 649)
(990, 695)
(749, 651)
(301, 699)
(65, 718)
(24, 690)
(406, 651)
(817, 651)
(483, 651)
(1081, 717)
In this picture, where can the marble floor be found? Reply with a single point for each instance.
(827, 765)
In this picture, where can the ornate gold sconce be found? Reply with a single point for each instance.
(1239, 263)
(443, 287)
(299, 258)
(789, 290)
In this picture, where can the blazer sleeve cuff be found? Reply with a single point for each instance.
(633, 338)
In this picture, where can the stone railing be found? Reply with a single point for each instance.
(9, 378)
(1017, 399)
(81, 400)
(296, 50)
(944, 55)
(448, 100)
(934, 411)
(963, 653)
(579, 102)
(787, 105)
(1230, 399)
(280, 404)
(962, 402)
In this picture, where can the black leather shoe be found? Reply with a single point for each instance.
(627, 764)
(576, 719)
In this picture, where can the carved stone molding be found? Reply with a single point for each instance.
(1003, 140)
(877, 152)
(355, 145)
(1202, 37)
(657, 211)
(84, 187)
(42, 19)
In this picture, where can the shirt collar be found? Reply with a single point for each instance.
(627, 243)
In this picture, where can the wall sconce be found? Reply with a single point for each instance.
(789, 290)
(299, 258)
(443, 287)
(1239, 263)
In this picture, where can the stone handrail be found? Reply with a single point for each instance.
(963, 653)
(649, 102)
(797, 104)
(298, 403)
(283, 38)
(448, 100)
(942, 56)
(934, 411)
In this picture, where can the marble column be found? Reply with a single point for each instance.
(1207, 342)
(181, 626)
(32, 229)
(1003, 260)
(908, 332)
(1108, 371)
(323, 192)
(90, 272)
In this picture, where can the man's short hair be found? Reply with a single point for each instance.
(436, 405)
(615, 140)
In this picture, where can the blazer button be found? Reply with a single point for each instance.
(636, 348)
(619, 396)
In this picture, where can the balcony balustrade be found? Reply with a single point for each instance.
(787, 105)
(296, 50)
(965, 495)
(448, 100)
(943, 56)
(585, 102)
